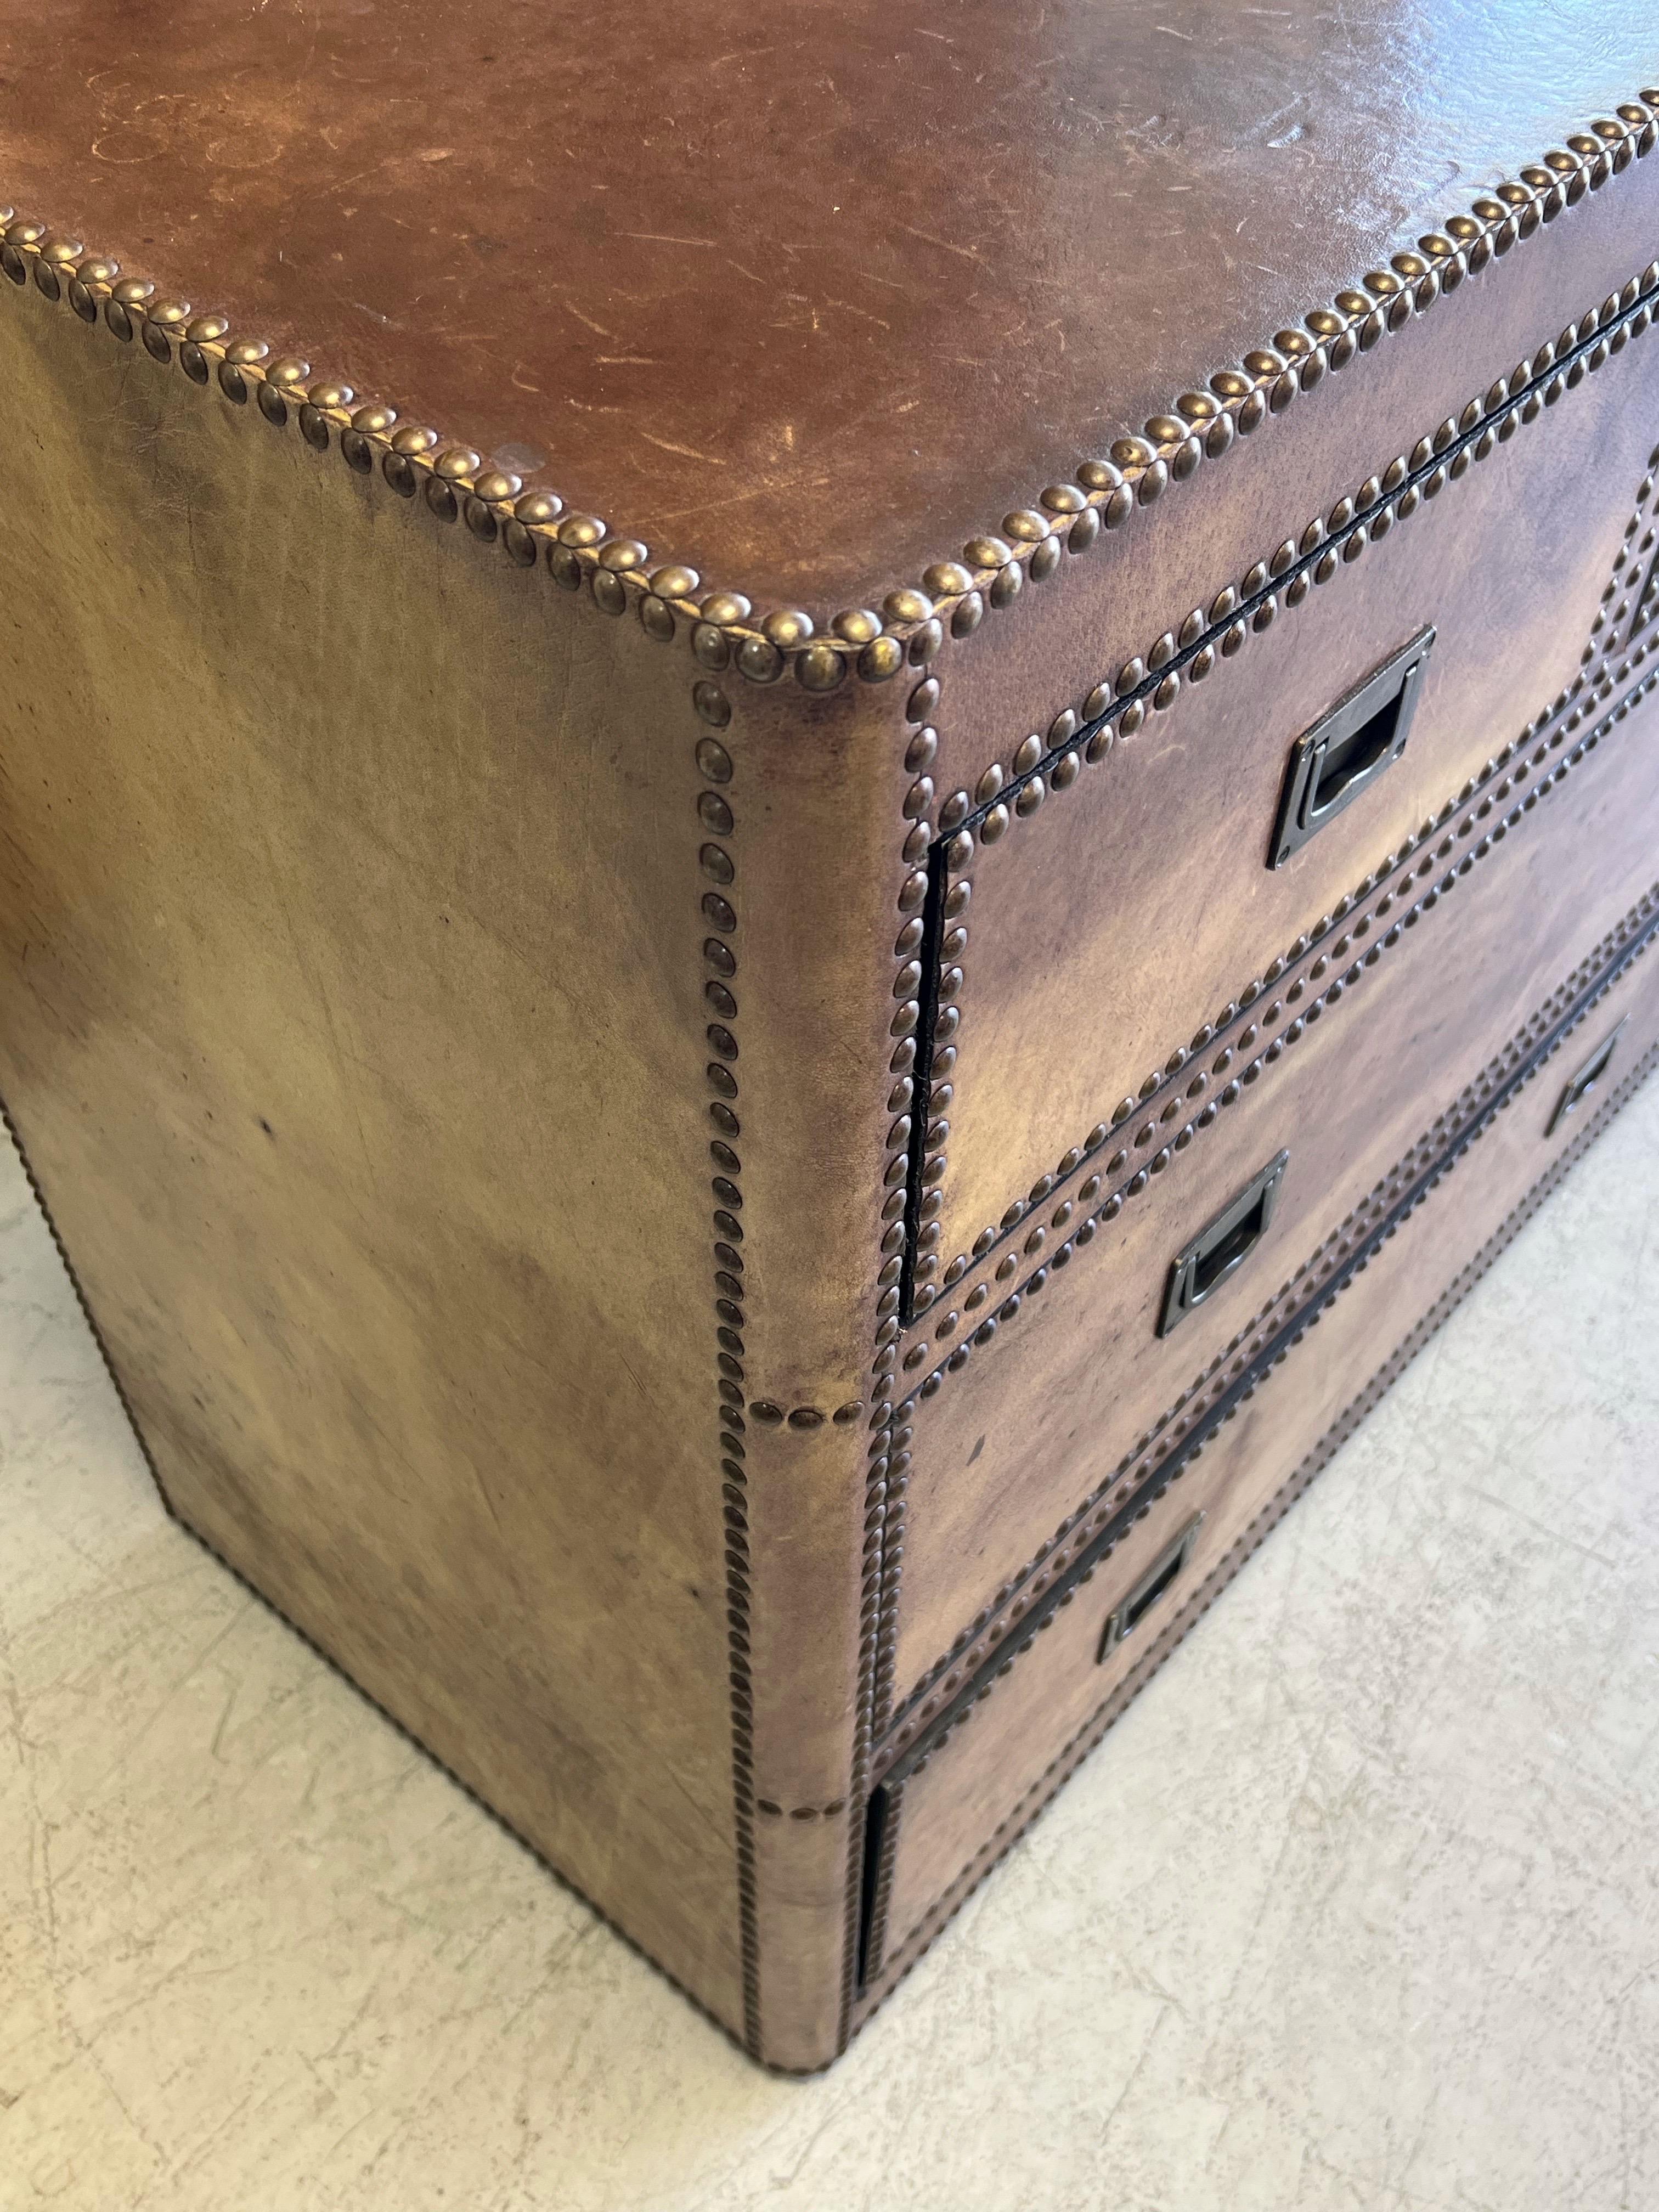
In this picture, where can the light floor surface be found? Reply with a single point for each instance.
(1358, 1906)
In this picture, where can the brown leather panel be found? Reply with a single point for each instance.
(1044, 1413)
(1100, 926)
(790, 310)
(897, 1960)
(972, 1785)
(350, 1010)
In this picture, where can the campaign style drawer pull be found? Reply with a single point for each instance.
(1126, 1618)
(1348, 749)
(1222, 1246)
(1580, 1085)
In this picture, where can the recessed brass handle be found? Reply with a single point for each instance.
(1581, 1085)
(1125, 1617)
(1349, 749)
(1222, 1246)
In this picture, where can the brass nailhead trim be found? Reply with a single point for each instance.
(1201, 427)
(717, 928)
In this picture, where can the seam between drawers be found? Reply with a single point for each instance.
(1080, 746)
(1136, 1478)
(918, 1940)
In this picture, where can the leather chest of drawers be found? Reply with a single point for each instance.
(798, 839)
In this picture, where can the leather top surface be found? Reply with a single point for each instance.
(800, 295)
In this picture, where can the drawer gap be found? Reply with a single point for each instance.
(876, 1824)
(921, 1073)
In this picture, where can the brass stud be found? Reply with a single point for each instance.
(1025, 525)
(517, 543)
(724, 608)
(820, 668)
(715, 709)
(987, 553)
(375, 420)
(290, 369)
(273, 407)
(948, 579)
(231, 383)
(500, 485)
(995, 823)
(538, 507)
(610, 592)
(207, 330)
(788, 627)
(857, 625)
(760, 660)
(409, 438)
(394, 467)
(657, 618)
(314, 429)
(907, 606)
(881, 658)
(923, 702)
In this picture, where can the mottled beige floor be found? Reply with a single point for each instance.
(1357, 1907)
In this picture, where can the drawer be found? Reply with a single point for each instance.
(955, 1787)
(1029, 1403)
(1089, 921)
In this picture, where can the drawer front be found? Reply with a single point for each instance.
(1044, 1396)
(1085, 940)
(956, 1790)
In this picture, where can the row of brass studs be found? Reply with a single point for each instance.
(1023, 1588)
(985, 815)
(668, 599)
(719, 919)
